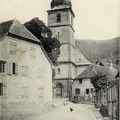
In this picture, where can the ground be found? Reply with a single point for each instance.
(57, 110)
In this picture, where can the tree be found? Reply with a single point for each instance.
(99, 81)
(44, 34)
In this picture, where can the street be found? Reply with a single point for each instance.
(62, 112)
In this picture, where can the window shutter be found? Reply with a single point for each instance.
(1, 89)
(16, 69)
(9, 68)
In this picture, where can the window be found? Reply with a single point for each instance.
(58, 17)
(77, 91)
(3, 89)
(24, 91)
(13, 47)
(87, 91)
(2, 66)
(58, 71)
(32, 53)
(40, 92)
(40, 73)
(24, 70)
(92, 90)
(80, 81)
(12, 68)
(91, 81)
(58, 35)
(71, 20)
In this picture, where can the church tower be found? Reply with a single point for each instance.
(60, 21)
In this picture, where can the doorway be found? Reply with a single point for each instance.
(58, 90)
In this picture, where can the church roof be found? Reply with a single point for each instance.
(14, 27)
(60, 2)
(80, 59)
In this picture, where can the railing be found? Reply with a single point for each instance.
(108, 100)
(113, 101)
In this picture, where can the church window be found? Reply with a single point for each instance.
(71, 20)
(77, 91)
(58, 17)
(80, 81)
(58, 70)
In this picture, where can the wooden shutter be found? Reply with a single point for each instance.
(1, 89)
(9, 68)
(16, 69)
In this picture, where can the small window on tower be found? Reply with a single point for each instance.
(58, 17)
(80, 81)
(58, 70)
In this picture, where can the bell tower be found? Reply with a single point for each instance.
(60, 21)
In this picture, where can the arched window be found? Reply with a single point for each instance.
(58, 70)
(58, 17)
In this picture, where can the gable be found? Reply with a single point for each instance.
(16, 28)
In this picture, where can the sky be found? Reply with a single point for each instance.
(94, 19)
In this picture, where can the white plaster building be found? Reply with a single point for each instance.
(82, 85)
(25, 69)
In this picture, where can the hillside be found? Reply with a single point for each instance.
(99, 49)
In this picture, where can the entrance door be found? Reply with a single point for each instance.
(59, 91)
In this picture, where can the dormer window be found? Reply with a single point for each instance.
(58, 17)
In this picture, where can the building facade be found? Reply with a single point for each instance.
(60, 21)
(25, 69)
(82, 85)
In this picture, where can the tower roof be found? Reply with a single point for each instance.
(60, 2)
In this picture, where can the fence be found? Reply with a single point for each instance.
(107, 100)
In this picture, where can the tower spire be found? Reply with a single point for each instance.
(60, 2)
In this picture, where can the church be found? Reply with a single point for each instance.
(71, 61)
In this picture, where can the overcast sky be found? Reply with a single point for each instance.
(95, 19)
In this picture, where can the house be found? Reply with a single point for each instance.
(25, 69)
(111, 69)
(82, 85)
